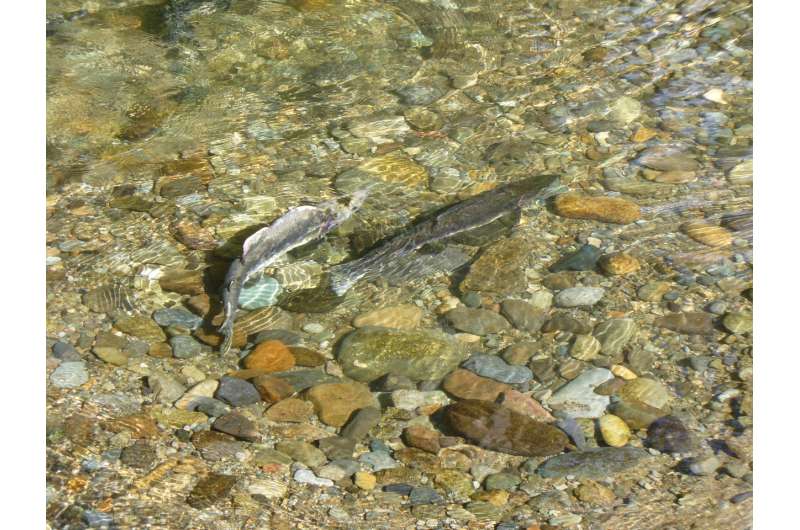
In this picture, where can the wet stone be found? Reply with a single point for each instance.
(237, 426)
(476, 321)
(604, 209)
(670, 435)
(339, 469)
(738, 323)
(579, 296)
(707, 234)
(290, 410)
(523, 316)
(405, 316)
(237, 392)
(210, 490)
(378, 460)
(524, 404)
(614, 430)
(690, 323)
(465, 384)
(414, 399)
(140, 455)
(392, 382)
(578, 399)
(502, 481)
(520, 352)
(668, 158)
(499, 269)
(562, 321)
(424, 495)
(421, 438)
(306, 357)
(335, 402)
(69, 374)
(494, 367)
(209, 406)
(270, 356)
(585, 348)
(614, 334)
(361, 422)
(636, 414)
(177, 316)
(165, 388)
(65, 352)
(140, 327)
(544, 370)
(592, 492)
(645, 390)
(336, 447)
(185, 347)
(272, 389)
(369, 353)
(584, 259)
(306, 476)
(595, 463)
(303, 379)
(501, 429)
(302, 452)
(214, 446)
(182, 282)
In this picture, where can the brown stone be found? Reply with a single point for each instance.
(707, 234)
(141, 327)
(306, 356)
(182, 281)
(291, 410)
(335, 402)
(237, 426)
(199, 304)
(464, 384)
(643, 134)
(421, 438)
(405, 316)
(272, 389)
(605, 209)
(270, 356)
(690, 323)
(524, 404)
(619, 264)
(593, 492)
(210, 490)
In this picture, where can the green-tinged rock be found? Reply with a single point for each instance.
(596, 463)
(371, 352)
(501, 429)
(738, 322)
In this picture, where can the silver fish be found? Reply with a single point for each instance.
(466, 215)
(295, 228)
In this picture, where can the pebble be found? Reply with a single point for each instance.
(584, 259)
(596, 463)
(578, 399)
(271, 388)
(670, 435)
(237, 426)
(422, 438)
(669, 158)
(738, 323)
(209, 406)
(619, 264)
(562, 321)
(541, 300)
(742, 173)
(378, 460)
(579, 296)
(689, 323)
(585, 348)
(69, 374)
(645, 390)
(625, 110)
(335, 402)
(65, 352)
(111, 355)
(424, 495)
(177, 316)
(702, 466)
(313, 328)
(405, 316)
(519, 353)
(291, 410)
(465, 384)
(339, 469)
(502, 481)
(476, 321)
(501, 429)
(303, 379)
(210, 490)
(365, 480)
(185, 347)
(306, 357)
(337, 447)
(414, 399)
(237, 392)
(614, 430)
(623, 372)
(369, 353)
(141, 327)
(614, 334)
(306, 476)
(361, 423)
(523, 316)
(499, 269)
(270, 356)
(707, 234)
(268, 488)
(525, 405)
(653, 291)
(301, 451)
(494, 367)
(603, 209)
(636, 414)
(593, 492)
(216, 446)
(165, 388)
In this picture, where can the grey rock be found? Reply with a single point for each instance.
(185, 347)
(378, 460)
(237, 392)
(177, 316)
(494, 367)
(361, 422)
(306, 476)
(578, 399)
(597, 463)
(523, 315)
(670, 435)
(69, 374)
(583, 259)
(337, 447)
(579, 296)
(209, 406)
(701, 466)
(302, 452)
(339, 469)
(165, 388)
(65, 352)
(502, 481)
(424, 495)
(303, 379)
(625, 110)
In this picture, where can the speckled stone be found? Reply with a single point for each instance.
(562, 321)
(185, 347)
(596, 463)
(604, 209)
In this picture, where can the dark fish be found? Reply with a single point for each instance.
(466, 215)
(295, 228)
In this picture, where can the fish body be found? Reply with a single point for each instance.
(295, 228)
(466, 215)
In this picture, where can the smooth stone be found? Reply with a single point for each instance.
(210, 490)
(625, 110)
(502, 481)
(501, 429)
(596, 463)
(619, 264)
(635, 414)
(65, 352)
(369, 353)
(237, 426)
(420, 437)
(237, 392)
(306, 357)
(572, 428)
(209, 406)
(141, 327)
(583, 259)
(177, 316)
(268, 488)
(336, 447)
(541, 300)
(111, 355)
(614, 334)
(592, 492)
(520, 353)
(302, 452)
(290, 410)
(525, 405)
(670, 435)
(303, 379)
(405, 316)
(738, 322)
(701, 466)
(645, 390)
(523, 315)
(668, 158)
(270, 356)
(605, 209)
(215, 446)
(339, 469)
(378, 460)
(579, 296)
(561, 321)
(165, 388)
(690, 323)
(392, 382)
(335, 402)
(499, 269)
(578, 399)
(414, 399)
(313, 328)
(70, 374)
(707, 234)
(272, 389)
(585, 348)
(361, 423)
(306, 476)
(365, 480)
(185, 347)
(494, 367)
(465, 384)
(424, 495)
(614, 430)
(476, 321)
(653, 291)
